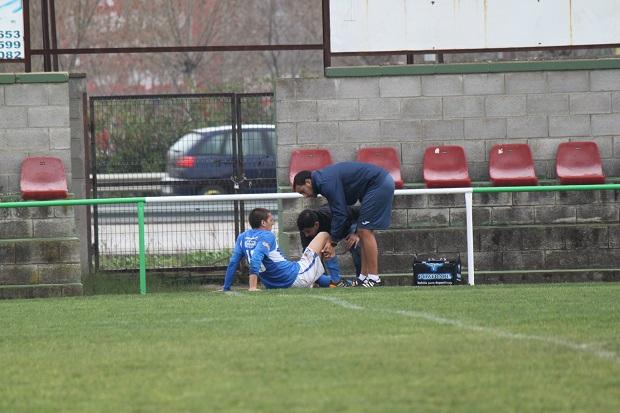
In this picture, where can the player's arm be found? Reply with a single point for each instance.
(253, 282)
(231, 271)
(338, 206)
(352, 239)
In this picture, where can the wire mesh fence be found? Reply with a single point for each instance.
(197, 235)
(178, 145)
(131, 136)
(256, 147)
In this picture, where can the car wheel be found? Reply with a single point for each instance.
(212, 190)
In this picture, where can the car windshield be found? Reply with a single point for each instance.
(216, 144)
(184, 144)
(255, 143)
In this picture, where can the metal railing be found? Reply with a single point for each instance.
(141, 201)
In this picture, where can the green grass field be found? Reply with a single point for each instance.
(532, 348)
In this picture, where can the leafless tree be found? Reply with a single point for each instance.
(188, 23)
(137, 23)
(73, 24)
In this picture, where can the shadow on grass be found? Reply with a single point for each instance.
(101, 283)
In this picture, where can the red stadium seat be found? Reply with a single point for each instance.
(43, 178)
(308, 160)
(512, 165)
(579, 163)
(386, 158)
(445, 167)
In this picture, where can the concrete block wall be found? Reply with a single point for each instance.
(34, 120)
(475, 111)
(518, 237)
(559, 235)
(40, 252)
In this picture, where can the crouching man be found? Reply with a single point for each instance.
(260, 248)
(310, 222)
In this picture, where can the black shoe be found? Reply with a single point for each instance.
(368, 283)
(356, 282)
(341, 284)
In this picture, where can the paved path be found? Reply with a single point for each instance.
(168, 238)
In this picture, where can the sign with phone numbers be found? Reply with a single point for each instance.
(11, 30)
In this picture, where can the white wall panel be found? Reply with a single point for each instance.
(596, 21)
(391, 25)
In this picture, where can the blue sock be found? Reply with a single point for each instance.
(324, 280)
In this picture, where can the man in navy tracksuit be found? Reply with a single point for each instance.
(344, 184)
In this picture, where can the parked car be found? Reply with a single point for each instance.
(201, 161)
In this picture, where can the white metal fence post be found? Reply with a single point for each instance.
(470, 237)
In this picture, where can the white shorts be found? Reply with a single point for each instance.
(310, 269)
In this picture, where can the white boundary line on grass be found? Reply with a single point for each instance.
(593, 349)
(339, 302)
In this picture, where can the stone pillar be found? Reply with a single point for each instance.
(39, 249)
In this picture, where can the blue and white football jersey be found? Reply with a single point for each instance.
(260, 249)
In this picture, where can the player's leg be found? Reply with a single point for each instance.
(375, 213)
(356, 256)
(324, 281)
(310, 265)
(332, 268)
(363, 265)
(370, 252)
(319, 241)
(332, 273)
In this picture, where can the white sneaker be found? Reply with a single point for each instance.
(368, 283)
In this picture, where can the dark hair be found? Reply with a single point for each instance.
(306, 219)
(300, 178)
(257, 216)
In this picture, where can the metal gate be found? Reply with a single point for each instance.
(178, 145)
